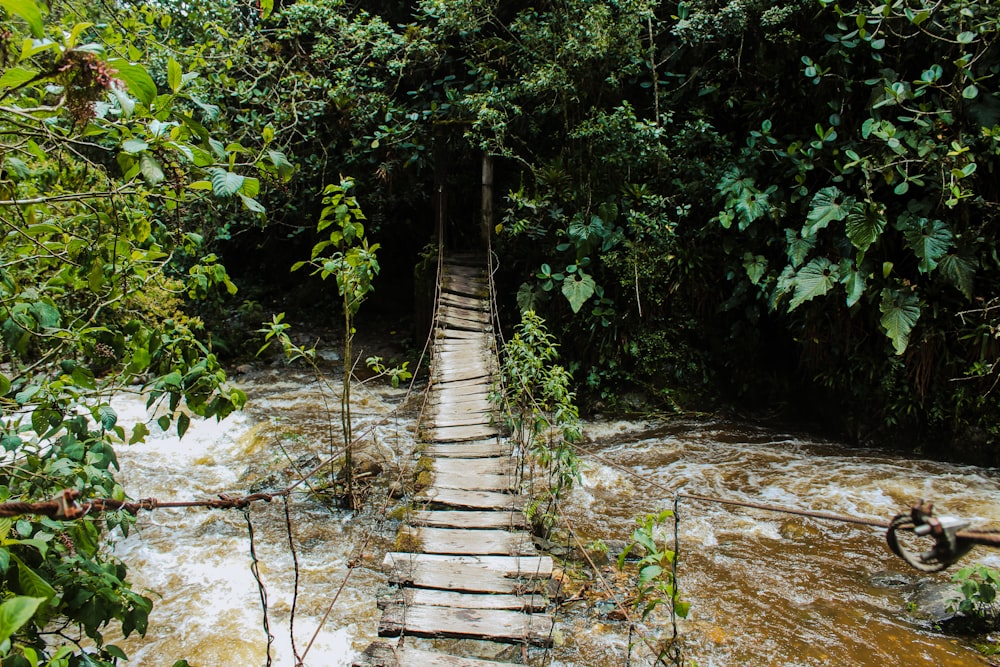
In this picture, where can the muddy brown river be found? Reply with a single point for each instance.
(766, 589)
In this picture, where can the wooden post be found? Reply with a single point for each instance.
(486, 227)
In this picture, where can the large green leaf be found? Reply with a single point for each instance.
(27, 10)
(853, 281)
(814, 279)
(797, 247)
(930, 240)
(135, 78)
(225, 183)
(828, 205)
(863, 227)
(108, 417)
(151, 169)
(15, 612)
(900, 312)
(756, 266)
(577, 288)
(17, 76)
(959, 271)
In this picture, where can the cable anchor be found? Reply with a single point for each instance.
(948, 547)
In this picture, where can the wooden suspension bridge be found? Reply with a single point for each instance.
(465, 565)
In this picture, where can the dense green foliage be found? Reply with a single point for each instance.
(788, 202)
(791, 204)
(113, 181)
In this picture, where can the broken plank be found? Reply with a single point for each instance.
(480, 500)
(469, 519)
(459, 541)
(437, 598)
(486, 624)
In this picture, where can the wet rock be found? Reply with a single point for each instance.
(328, 355)
(937, 602)
(931, 601)
(888, 579)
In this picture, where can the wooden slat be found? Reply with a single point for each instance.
(476, 574)
(466, 449)
(501, 483)
(459, 541)
(459, 301)
(470, 519)
(446, 622)
(458, 433)
(385, 654)
(475, 466)
(479, 500)
(436, 598)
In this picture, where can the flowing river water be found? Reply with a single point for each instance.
(766, 589)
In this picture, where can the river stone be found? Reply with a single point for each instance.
(929, 601)
(889, 579)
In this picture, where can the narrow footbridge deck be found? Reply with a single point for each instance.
(466, 567)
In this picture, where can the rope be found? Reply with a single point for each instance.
(255, 570)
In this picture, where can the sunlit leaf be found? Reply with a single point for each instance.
(15, 612)
(17, 76)
(135, 78)
(27, 10)
(174, 75)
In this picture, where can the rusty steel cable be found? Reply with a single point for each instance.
(950, 545)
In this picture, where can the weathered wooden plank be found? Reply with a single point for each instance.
(447, 375)
(475, 466)
(476, 574)
(446, 622)
(481, 482)
(386, 654)
(461, 387)
(460, 301)
(466, 449)
(437, 598)
(463, 320)
(469, 519)
(426, 539)
(458, 433)
(458, 419)
(461, 409)
(455, 334)
(479, 500)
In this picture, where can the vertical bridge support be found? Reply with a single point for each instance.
(466, 567)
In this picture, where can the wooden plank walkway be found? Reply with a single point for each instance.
(470, 569)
